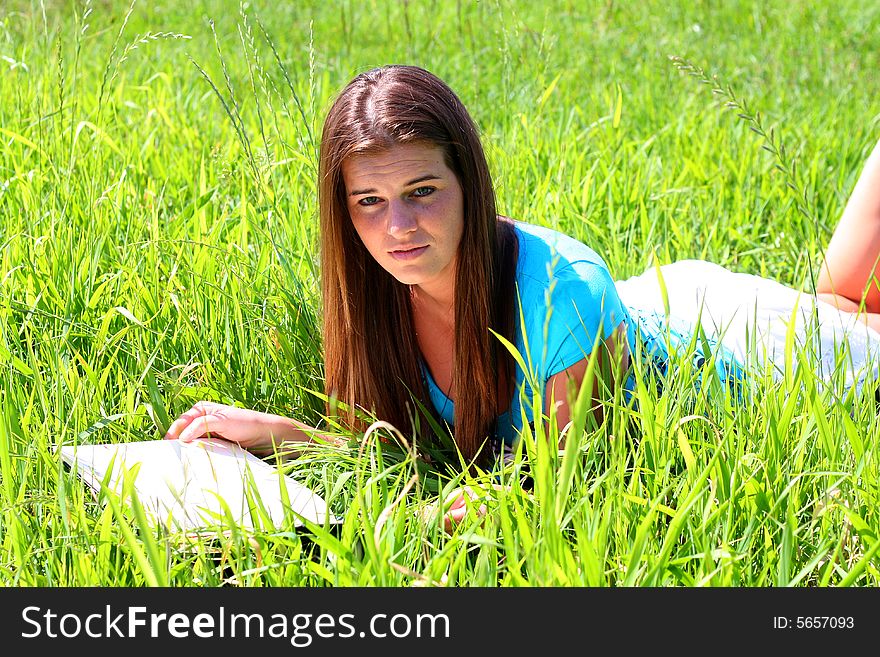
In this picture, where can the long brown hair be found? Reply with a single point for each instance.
(372, 358)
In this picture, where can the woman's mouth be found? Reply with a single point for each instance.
(408, 254)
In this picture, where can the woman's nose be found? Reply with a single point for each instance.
(401, 219)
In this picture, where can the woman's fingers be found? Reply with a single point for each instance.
(458, 498)
(202, 425)
(455, 515)
(457, 505)
(178, 426)
(199, 409)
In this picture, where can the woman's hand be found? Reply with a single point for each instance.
(456, 506)
(252, 430)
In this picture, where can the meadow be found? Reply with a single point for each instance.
(158, 246)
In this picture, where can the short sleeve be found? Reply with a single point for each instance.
(567, 302)
(584, 307)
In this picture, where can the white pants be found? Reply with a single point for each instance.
(754, 317)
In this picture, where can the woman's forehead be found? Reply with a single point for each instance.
(396, 163)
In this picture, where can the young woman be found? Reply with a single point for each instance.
(420, 275)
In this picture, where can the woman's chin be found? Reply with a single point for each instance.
(408, 278)
(407, 275)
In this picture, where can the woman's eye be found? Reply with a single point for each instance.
(423, 191)
(369, 200)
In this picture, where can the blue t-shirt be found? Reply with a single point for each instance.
(566, 298)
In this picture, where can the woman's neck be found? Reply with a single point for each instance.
(436, 302)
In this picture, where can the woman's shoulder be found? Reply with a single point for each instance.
(563, 278)
(546, 254)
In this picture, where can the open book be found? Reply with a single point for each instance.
(197, 485)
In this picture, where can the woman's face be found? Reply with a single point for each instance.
(408, 209)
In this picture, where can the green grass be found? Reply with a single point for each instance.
(158, 247)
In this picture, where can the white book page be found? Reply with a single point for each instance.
(180, 485)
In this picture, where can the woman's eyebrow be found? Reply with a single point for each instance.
(414, 181)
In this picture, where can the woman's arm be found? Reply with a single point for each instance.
(610, 369)
(260, 433)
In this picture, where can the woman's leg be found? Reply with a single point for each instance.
(850, 276)
(848, 306)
